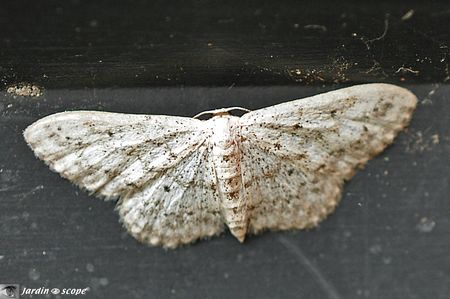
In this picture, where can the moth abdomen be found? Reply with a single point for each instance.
(227, 165)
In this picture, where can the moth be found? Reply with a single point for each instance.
(180, 179)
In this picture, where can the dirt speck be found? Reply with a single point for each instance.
(408, 15)
(426, 225)
(321, 28)
(103, 281)
(419, 142)
(335, 72)
(97, 282)
(387, 260)
(375, 249)
(306, 75)
(435, 139)
(25, 90)
(90, 267)
(93, 23)
(404, 70)
(34, 274)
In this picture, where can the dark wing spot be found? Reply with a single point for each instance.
(333, 113)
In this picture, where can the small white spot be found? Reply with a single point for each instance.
(435, 138)
(34, 274)
(375, 249)
(426, 225)
(93, 23)
(408, 15)
(103, 281)
(239, 257)
(90, 267)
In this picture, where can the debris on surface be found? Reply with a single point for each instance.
(334, 72)
(419, 142)
(316, 27)
(33, 274)
(426, 225)
(404, 70)
(408, 15)
(25, 90)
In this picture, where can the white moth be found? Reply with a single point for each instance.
(180, 179)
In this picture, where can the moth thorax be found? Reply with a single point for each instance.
(227, 165)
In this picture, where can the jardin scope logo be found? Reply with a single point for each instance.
(13, 291)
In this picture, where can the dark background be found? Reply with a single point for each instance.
(390, 236)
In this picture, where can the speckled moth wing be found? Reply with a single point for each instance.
(179, 207)
(297, 155)
(110, 153)
(157, 165)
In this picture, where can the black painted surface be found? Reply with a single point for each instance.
(159, 43)
(390, 236)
